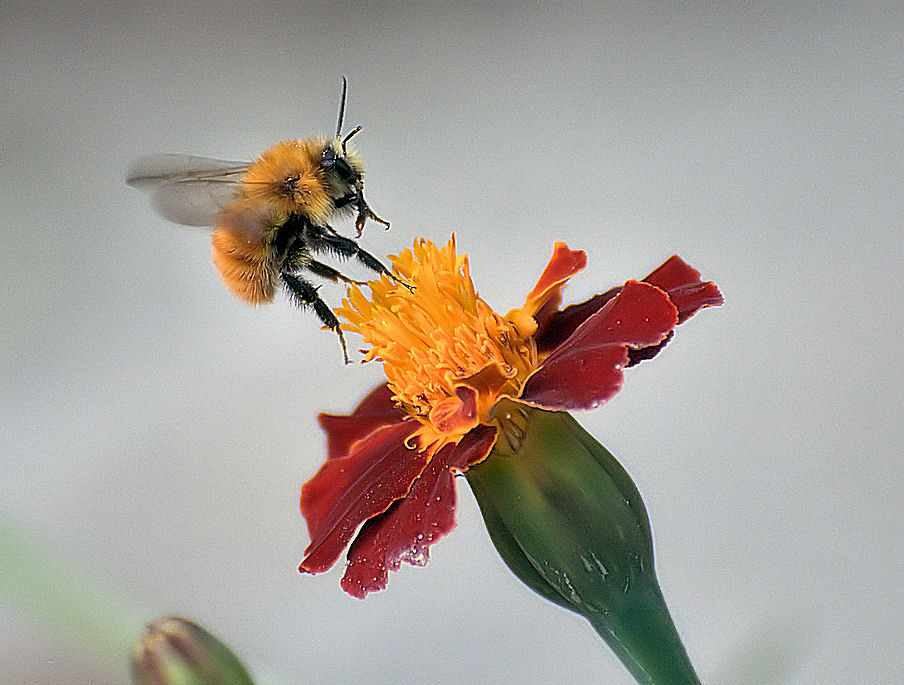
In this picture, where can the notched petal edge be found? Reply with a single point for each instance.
(347, 491)
(375, 410)
(546, 296)
(410, 526)
(587, 369)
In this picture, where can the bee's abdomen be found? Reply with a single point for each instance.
(246, 267)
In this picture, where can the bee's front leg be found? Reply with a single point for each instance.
(365, 212)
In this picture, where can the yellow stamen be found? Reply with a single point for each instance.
(442, 346)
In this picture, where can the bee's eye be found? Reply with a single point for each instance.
(337, 164)
(328, 158)
(345, 171)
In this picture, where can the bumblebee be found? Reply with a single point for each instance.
(270, 216)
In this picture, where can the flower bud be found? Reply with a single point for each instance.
(569, 522)
(176, 651)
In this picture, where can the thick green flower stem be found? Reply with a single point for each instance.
(569, 522)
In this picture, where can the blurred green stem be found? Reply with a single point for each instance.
(64, 599)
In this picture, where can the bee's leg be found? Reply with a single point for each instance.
(364, 211)
(295, 259)
(305, 295)
(331, 229)
(344, 201)
(346, 247)
(330, 273)
(298, 257)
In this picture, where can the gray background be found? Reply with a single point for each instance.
(155, 431)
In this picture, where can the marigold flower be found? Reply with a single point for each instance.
(462, 379)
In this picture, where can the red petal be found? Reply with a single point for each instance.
(347, 491)
(375, 410)
(559, 326)
(681, 281)
(547, 294)
(687, 292)
(406, 531)
(586, 370)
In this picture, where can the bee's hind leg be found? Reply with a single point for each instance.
(305, 295)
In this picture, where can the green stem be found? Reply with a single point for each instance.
(645, 639)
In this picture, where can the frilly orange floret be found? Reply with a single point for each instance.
(393, 471)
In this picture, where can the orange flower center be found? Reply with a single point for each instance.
(448, 356)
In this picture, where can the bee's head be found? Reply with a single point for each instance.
(336, 159)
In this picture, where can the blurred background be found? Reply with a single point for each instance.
(155, 431)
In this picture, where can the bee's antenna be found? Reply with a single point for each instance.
(351, 133)
(342, 107)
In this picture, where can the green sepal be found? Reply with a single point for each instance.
(569, 522)
(176, 651)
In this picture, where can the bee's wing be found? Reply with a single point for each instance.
(186, 189)
(248, 221)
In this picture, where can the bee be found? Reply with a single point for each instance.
(270, 216)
